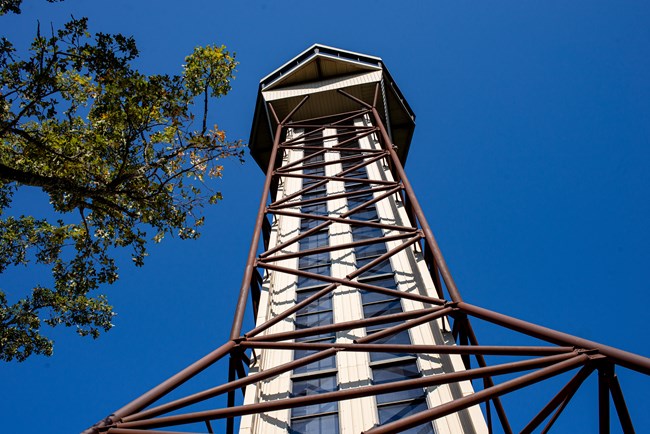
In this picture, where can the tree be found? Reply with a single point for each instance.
(118, 155)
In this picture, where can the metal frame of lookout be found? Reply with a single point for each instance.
(359, 326)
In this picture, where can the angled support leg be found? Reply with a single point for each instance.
(603, 400)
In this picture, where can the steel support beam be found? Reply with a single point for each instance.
(569, 352)
(479, 397)
(555, 365)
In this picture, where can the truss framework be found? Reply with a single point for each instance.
(562, 352)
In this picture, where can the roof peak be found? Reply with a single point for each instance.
(320, 50)
(320, 71)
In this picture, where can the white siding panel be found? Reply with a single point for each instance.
(322, 86)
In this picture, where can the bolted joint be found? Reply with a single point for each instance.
(102, 426)
(592, 353)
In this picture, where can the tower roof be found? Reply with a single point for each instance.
(320, 71)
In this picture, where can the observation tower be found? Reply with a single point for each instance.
(359, 326)
(344, 261)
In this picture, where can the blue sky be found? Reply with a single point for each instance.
(530, 158)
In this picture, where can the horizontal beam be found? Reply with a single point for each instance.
(559, 362)
(326, 224)
(335, 247)
(348, 221)
(492, 350)
(327, 198)
(390, 331)
(230, 386)
(355, 284)
(296, 307)
(350, 115)
(340, 178)
(348, 325)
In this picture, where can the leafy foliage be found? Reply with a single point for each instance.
(13, 6)
(117, 154)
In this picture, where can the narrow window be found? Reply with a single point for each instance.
(386, 367)
(314, 418)
(319, 376)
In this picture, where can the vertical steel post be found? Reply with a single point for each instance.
(603, 401)
(230, 422)
(238, 320)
